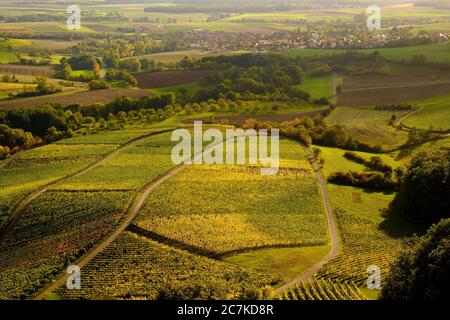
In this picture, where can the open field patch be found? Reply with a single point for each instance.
(392, 94)
(82, 97)
(369, 125)
(170, 78)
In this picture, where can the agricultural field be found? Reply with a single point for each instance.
(91, 183)
(35, 168)
(82, 97)
(135, 267)
(149, 80)
(67, 205)
(432, 113)
(370, 125)
(175, 214)
(324, 290)
(318, 87)
(175, 56)
(392, 94)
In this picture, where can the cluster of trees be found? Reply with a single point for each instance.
(23, 127)
(374, 181)
(375, 163)
(422, 271)
(247, 75)
(424, 194)
(394, 107)
(11, 140)
(42, 88)
(32, 61)
(318, 132)
(120, 75)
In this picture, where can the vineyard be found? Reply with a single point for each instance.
(34, 168)
(135, 267)
(60, 225)
(323, 290)
(364, 244)
(219, 210)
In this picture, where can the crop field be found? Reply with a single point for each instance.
(287, 114)
(182, 210)
(392, 94)
(190, 87)
(364, 244)
(69, 204)
(81, 97)
(369, 125)
(170, 78)
(134, 267)
(27, 70)
(130, 170)
(323, 290)
(35, 168)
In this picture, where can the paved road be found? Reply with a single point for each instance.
(21, 207)
(334, 251)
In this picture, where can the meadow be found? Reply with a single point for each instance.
(369, 125)
(432, 113)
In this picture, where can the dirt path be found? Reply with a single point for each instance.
(331, 226)
(21, 207)
(405, 116)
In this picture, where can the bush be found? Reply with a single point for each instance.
(374, 181)
(97, 85)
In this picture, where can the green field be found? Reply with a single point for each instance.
(433, 52)
(369, 125)
(433, 113)
(318, 87)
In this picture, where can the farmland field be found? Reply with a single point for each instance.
(67, 205)
(150, 80)
(82, 97)
(433, 113)
(369, 125)
(177, 216)
(103, 168)
(392, 94)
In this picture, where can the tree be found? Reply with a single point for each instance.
(422, 272)
(424, 195)
(96, 71)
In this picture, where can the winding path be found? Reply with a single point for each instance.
(21, 207)
(334, 237)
